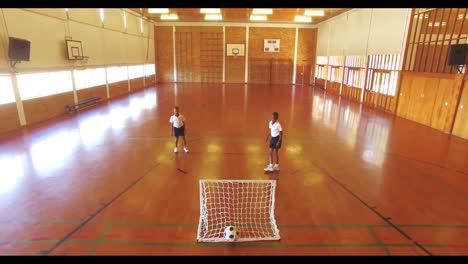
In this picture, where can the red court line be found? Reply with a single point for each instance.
(79, 237)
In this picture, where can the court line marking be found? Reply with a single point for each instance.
(101, 237)
(374, 235)
(229, 245)
(426, 162)
(57, 222)
(436, 179)
(102, 208)
(105, 205)
(385, 219)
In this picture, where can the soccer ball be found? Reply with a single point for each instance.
(231, 233)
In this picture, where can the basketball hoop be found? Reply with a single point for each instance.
(235, 52)
(80, 62)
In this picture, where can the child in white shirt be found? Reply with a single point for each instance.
(178, 128)
(276, 133)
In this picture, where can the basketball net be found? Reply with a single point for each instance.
(80, 63)
(235, 52)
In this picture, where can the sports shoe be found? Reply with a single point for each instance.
(269, 168)
(185, 149)
(276, 167)
(175, 150)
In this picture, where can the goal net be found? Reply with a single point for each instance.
(248, 205)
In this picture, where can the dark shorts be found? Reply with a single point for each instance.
(179, 132)
(274, 142)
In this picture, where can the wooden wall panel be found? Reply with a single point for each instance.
(184, 55)
(235, 66)
(286, 36)
(164, 54)
(352, 93)
(44, 108)
(196, 58)
(446, 103)
(9, 119)
(150, 80)
(259, 71)
(460, 127)
(429, 98)
(263, 66)
(333, 87)
(415, 92)
(405, 95)
(306, 52)
(118, 89)
(136, 84)
(320, 83)
(199, 54)
(99, 91)
(211, 56)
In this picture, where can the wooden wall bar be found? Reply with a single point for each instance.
(235, 66)
(164, 54)
(199, 54)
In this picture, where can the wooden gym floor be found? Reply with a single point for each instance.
(353, 181)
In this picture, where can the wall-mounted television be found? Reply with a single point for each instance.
(458, 55)
(19, 49)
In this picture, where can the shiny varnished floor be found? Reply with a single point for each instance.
(353, 181)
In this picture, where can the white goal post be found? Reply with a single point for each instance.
(248, 205)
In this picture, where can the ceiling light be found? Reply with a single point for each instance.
(314, 13)
(258, 18)
(213, 17)
(262, 11)
(210, 10)
(158, 10)
(303, 19)
(169, 17)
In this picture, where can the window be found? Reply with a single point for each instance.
(135, 71)
(34, 85)
(141, 25)
(6, 90)
(89, 78)
(150, 69)
(117, 74)
(101, 14)
(382, 76)
(125, 20)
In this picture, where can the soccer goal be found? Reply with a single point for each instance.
(247, 205)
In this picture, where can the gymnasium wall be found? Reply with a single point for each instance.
(107, 44)
(433, 93)
(199, 54)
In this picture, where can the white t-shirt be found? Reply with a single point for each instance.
(275, 128)
(177, 121)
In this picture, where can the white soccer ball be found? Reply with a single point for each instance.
(231, 233)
